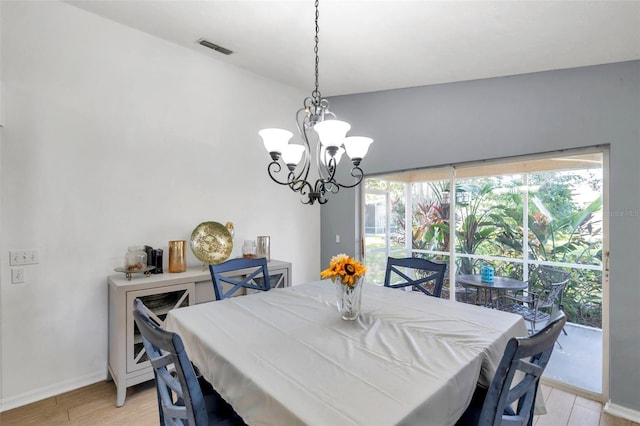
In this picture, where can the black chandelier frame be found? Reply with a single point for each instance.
(315, 109)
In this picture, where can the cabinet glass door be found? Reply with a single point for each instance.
(278, 279)
(159, 304)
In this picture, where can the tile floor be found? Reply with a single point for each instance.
(577, 358)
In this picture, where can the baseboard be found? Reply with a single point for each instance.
(622, 412)
(594, 396)
(49, 391)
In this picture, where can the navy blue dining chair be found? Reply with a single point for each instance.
(510, 399)
(420, 274)
(183, 398)
(255, 276)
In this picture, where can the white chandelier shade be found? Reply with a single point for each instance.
(292, 154)
(357, 147)
(332, 132)
(275, 140)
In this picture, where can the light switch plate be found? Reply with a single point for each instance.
(23, 257)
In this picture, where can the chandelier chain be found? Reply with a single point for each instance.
(316, 93)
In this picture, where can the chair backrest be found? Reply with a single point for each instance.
(164, 349)
(425, 273)
(524, 361)
(256, 276)
(549, 284)
(550, 297)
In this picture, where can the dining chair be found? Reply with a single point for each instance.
(183, 398)
(420, 274)
(256, 277)
(510, 398)
(543, 298)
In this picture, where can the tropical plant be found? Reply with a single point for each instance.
(428, 218)
(431, 221)
(489, 223)
(570, 239)
(479, 221)
(582, 301)
(566, 239)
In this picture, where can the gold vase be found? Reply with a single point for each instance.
(177, 256)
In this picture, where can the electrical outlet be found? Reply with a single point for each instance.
(23, 257)
(17, 275)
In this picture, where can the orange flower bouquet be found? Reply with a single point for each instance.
(348, 273)
(344, 268)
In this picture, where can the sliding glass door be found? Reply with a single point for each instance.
(384, 225)
(514, 215)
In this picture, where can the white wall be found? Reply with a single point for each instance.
(115, 138)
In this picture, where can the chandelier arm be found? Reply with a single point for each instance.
(319, 187)
(333, 187)
(320, 191)
(306, 166)
(308, 201)
(273, 168)
(307, 104)
(298, 185)
(307, 191)
(330, 169)
(323, 170)
(358, 174)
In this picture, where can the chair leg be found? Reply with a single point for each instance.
(565, 333)
(561, 307)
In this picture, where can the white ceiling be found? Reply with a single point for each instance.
(370, 45)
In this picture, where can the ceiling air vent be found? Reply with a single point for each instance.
(213, 46)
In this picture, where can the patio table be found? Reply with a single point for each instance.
(499, 284)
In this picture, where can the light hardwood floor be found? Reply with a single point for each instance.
(95, 405)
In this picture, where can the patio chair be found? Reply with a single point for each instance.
(543, 298)
(256, 278)
(510, 399)
(182, 397)
(428, 276)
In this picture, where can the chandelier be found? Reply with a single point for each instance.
(314, 122)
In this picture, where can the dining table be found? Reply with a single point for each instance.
(286, 357)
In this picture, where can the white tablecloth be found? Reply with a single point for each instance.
(285, 357)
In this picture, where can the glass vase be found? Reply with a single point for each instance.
(349, 299)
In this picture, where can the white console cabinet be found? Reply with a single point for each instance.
(128, 364)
